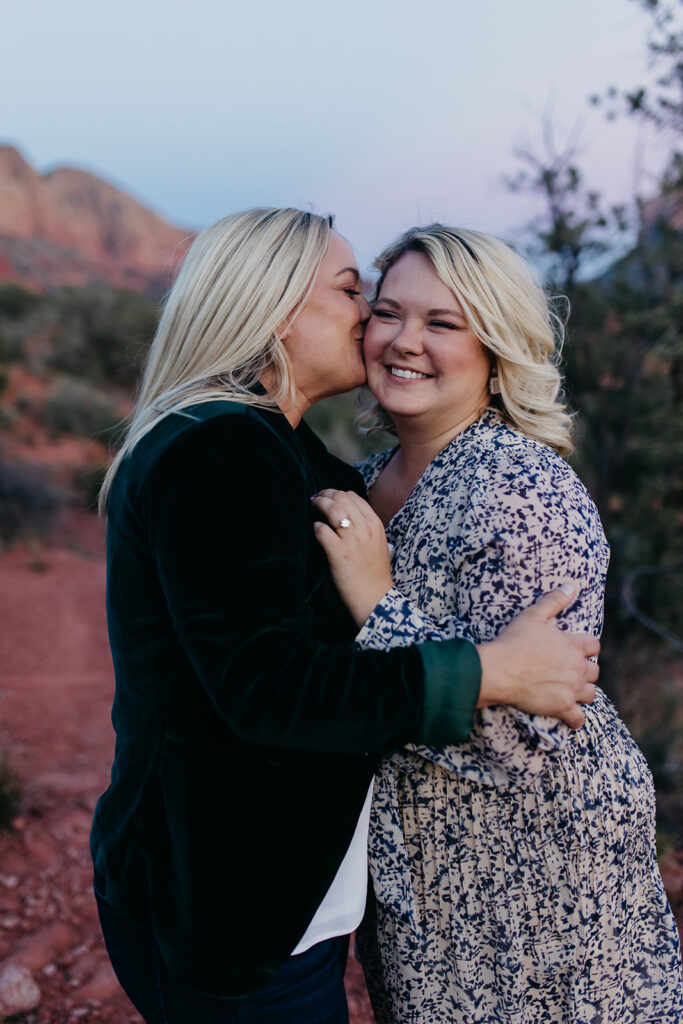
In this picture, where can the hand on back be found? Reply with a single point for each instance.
(537, 667)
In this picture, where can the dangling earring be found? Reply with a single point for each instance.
(494, 383)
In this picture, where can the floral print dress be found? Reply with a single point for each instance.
(515, 875)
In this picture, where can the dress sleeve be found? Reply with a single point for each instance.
(529, 526)
(229, 523)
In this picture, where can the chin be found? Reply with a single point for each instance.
(399, 404)
(404, 412)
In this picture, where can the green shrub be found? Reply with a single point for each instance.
(97, 333)
(16, 301)
(102, 334)
(4, 359)
(75, 407)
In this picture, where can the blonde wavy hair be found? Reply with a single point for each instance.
(242, 279)
(511, 316)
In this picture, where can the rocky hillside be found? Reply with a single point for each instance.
(70, 227)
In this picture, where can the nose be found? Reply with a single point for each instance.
(408, 339)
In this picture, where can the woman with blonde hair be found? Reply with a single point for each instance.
(515, 874)
(230, 848)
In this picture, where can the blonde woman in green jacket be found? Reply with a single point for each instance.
(229, 849)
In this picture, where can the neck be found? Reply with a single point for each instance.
(420, 441)
(294, 411)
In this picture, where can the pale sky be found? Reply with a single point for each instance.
(384, 112)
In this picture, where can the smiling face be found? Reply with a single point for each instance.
(425, 365)
(324, 341)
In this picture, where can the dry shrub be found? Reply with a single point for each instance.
(75, 407)
(30, 503)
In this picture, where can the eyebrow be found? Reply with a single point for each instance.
(348, 270)
(430, 312)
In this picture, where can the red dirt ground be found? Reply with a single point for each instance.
(55, 699)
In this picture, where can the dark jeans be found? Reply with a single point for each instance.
(308, 988)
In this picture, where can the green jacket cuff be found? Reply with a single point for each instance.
(452, 680)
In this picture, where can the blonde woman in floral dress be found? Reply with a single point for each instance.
(515, 875)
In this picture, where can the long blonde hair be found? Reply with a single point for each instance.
(243, 279)
(511, 316)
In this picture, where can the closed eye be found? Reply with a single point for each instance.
(445, 324)
(352, 291)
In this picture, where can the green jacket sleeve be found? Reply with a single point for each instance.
(452, 675)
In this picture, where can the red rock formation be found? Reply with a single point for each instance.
(70, 227)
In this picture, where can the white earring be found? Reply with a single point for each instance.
(494, 383)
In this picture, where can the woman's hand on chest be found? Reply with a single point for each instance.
(354, 541)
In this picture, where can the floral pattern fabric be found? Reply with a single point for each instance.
(515, 875)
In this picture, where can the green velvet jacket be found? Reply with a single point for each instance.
(248, 724)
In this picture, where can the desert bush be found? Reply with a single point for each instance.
(75, 407)
(97, 333)
(9, 793)
(16, 302)
(103, 334)
(4, 358)
(29, 503)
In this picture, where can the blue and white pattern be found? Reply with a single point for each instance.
(515, 874)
